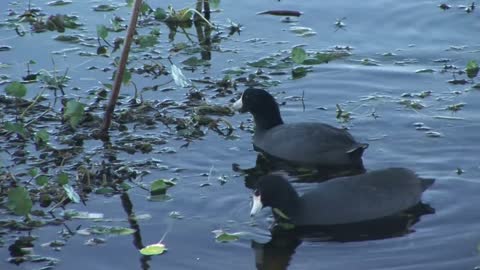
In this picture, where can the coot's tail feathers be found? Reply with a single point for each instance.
(426, 182)
(357, 150)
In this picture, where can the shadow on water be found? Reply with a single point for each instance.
(137, 237)
(277, 253)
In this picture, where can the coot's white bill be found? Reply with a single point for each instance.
(238, 104)
(257, 205)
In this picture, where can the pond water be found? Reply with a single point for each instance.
(400, 37)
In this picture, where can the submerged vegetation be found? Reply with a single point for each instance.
(50, 156)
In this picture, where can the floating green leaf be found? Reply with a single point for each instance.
(111, 230)
(160, 186)
(299, 72)
(416, 105)
(183, 15)
(324, 57)
(74, 112)
(266, 62)
(42, 137)
(145, 8)
(299, 55)
(146, 41)
(155, 249)
(62, 178)
(19, 201)
(224, 237)
(41, 180)
(70, 214)
(455, 107)
(127, 77)
(102, 31)
(16, 89)
(160, 14)
(18, 128)
(33, 172)
(472, 69)
(71, 193)
(194, 62)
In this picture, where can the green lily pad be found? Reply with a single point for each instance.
(62, 178)
(42, 137)
(74, 112)
(160, 186)
(16, 89)
(41, 180)
(299, 55)
(155, 249)
(18, 128)
(102, 31)
(146, 41)
(19, 201)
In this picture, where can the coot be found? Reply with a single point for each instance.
(344, 200)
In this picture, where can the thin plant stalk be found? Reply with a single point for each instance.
(107, 119)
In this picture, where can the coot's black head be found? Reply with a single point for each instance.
(261, 105)
(276, 192)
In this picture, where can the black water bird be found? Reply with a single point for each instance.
(313, 145)
(344, 200)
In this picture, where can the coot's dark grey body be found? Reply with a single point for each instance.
(344, 200)
(310, 144)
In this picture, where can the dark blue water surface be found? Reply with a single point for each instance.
(415, 32)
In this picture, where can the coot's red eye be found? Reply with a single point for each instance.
(257, 192)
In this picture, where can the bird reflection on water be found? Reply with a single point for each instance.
(277, 253)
